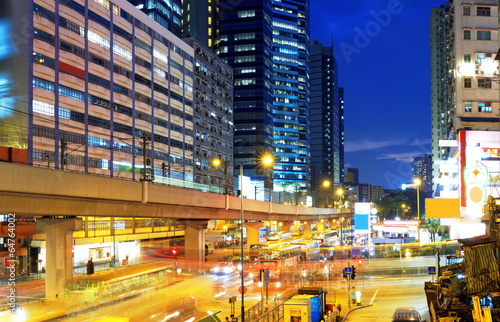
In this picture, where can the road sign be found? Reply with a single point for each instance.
(244, 290)
(232, 299)
(347, 270)
(432, 270)
(265, 276)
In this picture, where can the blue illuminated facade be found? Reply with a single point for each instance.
(267, 44)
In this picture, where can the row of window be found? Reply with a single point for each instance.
(480, 10)
(481, 82)
(480, 34)
(482, 107)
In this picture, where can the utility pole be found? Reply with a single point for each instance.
(296, 195)
(64, 147)
(146, 138)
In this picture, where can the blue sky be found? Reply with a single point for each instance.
(383, 51)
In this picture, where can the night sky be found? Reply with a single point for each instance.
(386, 78)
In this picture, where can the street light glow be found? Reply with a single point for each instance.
(216, 162)
(326, 183)
(417, 182)
(340, 192)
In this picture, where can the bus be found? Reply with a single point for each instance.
(328, 237)
(279, 258)
(310, 250)
(279, 236)
(255, 249)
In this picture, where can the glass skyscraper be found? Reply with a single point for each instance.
(267, 44)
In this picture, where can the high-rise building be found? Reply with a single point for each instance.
(291, 95)
(440, 83)
(464, 42)
(342, 136)
(325, 117)
(167, 13)
(352, 175)
(90, 83)
(421, 167)
(200, 21)
(213, 115)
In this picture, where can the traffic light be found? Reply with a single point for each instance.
(353, 272)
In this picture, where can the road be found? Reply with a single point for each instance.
(389, 294)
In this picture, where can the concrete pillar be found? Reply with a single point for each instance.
(253, 232)
(59, 243)
(287, 226)
(194, 241)
(320, 226)
(307, 230)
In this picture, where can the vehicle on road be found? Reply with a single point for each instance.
(406, 314)
(223, 268)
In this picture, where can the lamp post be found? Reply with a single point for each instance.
(417, 182)
(341, 192)
(341, 220)
(266, 161)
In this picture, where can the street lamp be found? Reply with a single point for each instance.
(341, 192)
(326, 184)
(341, 219)
(267, 161)
(417, 182)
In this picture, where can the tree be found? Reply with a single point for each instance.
(390, 206)
(433, 226)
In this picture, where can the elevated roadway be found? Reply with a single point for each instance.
(34, 191)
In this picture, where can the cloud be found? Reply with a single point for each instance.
(400, 157)
(366, 145)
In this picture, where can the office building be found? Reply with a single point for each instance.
(244, 43)
(167, 13)
(213, 115)
(267, 44)
(421, 168)
(352, 175)
(342, 136)
(325, 117)
(73, 97)
(200, 21)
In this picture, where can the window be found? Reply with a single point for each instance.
(468, 107)
(483, 11)
(247, 47)
(483, 35)
(246, 13)
(484, 82)
(467, 58)
(467, 82)
(466, 33)
(466, 10)
(484, 107)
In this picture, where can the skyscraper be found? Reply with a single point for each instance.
(200, 21)
(421, 167)
(167, 13)
(267, 44)
(325, 116)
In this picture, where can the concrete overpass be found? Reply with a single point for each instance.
(28, 190)
(61, 197)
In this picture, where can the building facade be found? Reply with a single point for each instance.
(213, 115)
(96, 85)
(464, 43)
(421, 167)
(200, 21)
(325, 116)
(245, 43)
(167, 13)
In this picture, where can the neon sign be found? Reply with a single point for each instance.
(475, 182)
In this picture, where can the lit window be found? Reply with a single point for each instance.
(484, 107)
(467, 58)
(468, 107)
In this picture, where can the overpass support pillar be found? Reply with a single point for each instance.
(287, 226)
(194, 242)
(320, 226)
(59, 259)
(307, 230)
(253, 232)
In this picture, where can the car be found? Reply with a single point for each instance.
(406, 314)
(223, 268)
